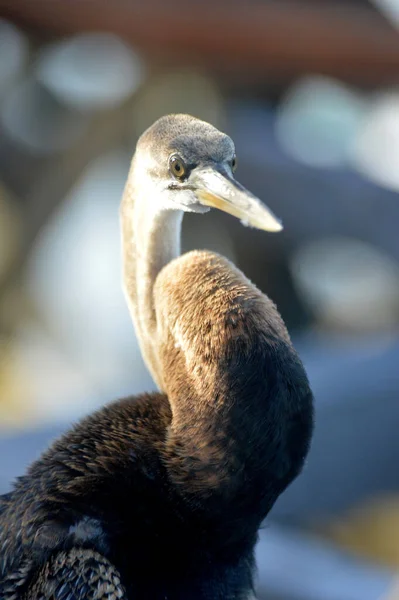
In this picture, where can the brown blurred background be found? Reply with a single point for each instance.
(309, 92)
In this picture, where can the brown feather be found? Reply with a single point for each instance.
(162, 495)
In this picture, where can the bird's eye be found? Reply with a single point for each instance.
(177, 166)
(234, 163)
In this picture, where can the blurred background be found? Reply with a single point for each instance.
(309, 92)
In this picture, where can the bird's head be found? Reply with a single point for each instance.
(186, 164)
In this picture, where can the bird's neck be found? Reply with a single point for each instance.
(150, 240)
(218, 336)
(238, 395)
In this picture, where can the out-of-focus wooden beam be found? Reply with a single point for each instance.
(248, 38)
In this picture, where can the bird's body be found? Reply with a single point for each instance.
(161, 496)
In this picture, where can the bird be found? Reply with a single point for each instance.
(161, 496)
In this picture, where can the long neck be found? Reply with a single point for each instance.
(234, 384)
(220, 351)
(150, 240)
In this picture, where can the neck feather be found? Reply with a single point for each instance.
(150, 240)
(239, 397)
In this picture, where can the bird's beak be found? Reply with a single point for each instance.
(220, 190)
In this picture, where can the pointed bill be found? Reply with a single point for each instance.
(219, 190)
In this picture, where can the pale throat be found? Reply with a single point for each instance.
(151, 239)
(156, 237)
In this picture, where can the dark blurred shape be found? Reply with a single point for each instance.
(10, 231)
(243, 40)
(13, 52)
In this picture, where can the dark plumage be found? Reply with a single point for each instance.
(161, 496)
